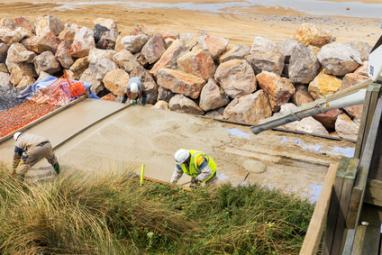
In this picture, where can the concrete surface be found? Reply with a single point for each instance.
(62, 126)
(140, 135)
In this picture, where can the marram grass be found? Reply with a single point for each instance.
(112, 214)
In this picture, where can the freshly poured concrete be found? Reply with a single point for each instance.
(140, 135)
(62, 126)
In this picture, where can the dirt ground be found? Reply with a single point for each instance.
(238, 24)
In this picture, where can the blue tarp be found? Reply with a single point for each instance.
(31, 90)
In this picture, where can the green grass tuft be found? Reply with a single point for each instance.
(112, 214)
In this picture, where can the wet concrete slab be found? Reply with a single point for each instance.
(140, 135)
(62, 126)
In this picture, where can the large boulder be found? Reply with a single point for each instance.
(197, 62)
(183, 104)
(190, 39)
(96, 72)
(236, 77)
(287, 46)
(3, 52)
(235, 52)
(41, 43)
(83, 42)
(363, 69)
(69, 32)
(63, 55)
(125, 60)
(9, 36)
(339, 59)
(180, 82)
(95, 55)
(132, 43)
(214, 44)
(8, 23)
(351, 79)
(278, 89)
(161, 105)
(362, 47)
(249, 109)
(307, 125)
(5, 82)
(46, 62)
(301, 96)
(79, 66)
(212, 97)
(310, 34)
(3, 68)
(303, 65)
(17, 53)
(46, 24)
(22, 74)
(25, 24)
(324, 85)
(328, 119)
(105, 33)
(164, 94)
(346, 128)
(266, 56)
(154, 48)
(170, 56)
(116, 81)
(150, 87)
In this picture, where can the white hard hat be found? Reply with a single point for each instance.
(16, 135)
(134, 87)
(181, 156)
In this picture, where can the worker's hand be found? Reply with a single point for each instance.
(194, 183)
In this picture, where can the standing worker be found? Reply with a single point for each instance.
(29, 149)
(197, 164)
(134, 92)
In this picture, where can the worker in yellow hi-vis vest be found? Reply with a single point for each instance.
(197, 164)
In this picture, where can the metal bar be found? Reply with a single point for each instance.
(350, 96)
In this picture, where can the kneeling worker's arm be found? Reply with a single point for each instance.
(16, 158)
(205, 170)
(177, 174)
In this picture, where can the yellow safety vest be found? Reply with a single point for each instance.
(197, 158)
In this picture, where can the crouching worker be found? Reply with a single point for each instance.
(197, 164)
(134, 92)
(30, 149)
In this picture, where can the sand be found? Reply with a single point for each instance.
(238, 24)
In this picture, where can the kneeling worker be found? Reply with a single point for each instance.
(30, 149)
(134, 92)
(197, 164)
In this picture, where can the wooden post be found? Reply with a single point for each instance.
(316, 226)
(334, 208)
(370, 103)
(367, 158)
(344, 202)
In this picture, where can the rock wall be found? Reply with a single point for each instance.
(197, 74)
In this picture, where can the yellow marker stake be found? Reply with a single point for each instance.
(142, 176)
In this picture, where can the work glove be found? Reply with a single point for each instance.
(194, 183)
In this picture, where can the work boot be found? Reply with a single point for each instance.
(56, 168)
